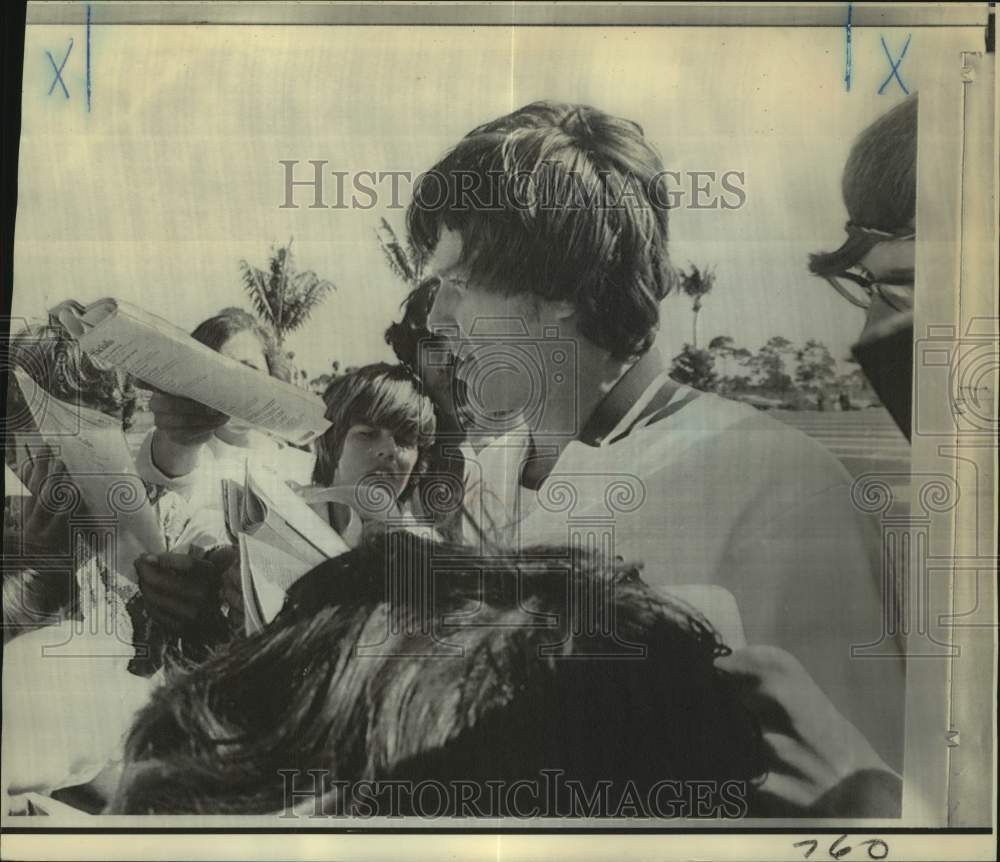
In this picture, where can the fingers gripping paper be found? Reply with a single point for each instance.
(164, 356)
(96, 454)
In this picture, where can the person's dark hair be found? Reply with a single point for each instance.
(230, 322)
(415, 345)
(50, 356)
(564, 202)
(380, 395)
(406, 335)
(879, 186)
(440, 490)
(363, 677)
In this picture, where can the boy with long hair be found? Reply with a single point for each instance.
(548, 230)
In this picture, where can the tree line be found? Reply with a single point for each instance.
(778, 374)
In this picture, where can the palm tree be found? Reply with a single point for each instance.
(722, 344)
(696, 284)
(402, 259)
(283, 298)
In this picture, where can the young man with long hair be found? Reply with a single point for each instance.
(548, 231)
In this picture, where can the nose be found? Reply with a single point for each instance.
(385, 448)
(442, 317)
(878, 311)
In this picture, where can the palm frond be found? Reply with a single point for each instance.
(402, 262)
(400, 259)
(304, 291)
(698, 281)
(282, 298)
(390, 258)
(256, 285)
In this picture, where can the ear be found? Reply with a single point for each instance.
(559, 310)
(566, 309)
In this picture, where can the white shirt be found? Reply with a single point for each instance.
(719, 493)
(217, 460)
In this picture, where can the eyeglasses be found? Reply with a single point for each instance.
(860, 288)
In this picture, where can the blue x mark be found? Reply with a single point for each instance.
(895, 65)
(58, 70)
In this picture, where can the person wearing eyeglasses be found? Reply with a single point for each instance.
(874, 268)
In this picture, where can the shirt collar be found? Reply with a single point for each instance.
(629, 389)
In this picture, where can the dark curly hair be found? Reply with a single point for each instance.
(405, 336)
(407, 659)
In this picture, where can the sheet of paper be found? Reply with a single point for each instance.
(71, 710)
(275, 496)
(273, 573)
(232, 506)
(275, 532)
(280, 539)
(12, 485)
(376, 503)
(266, 574)
(248, 513)
(252, 620)
(95, 452)
(164, 356)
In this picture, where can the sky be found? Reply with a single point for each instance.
(173, 176)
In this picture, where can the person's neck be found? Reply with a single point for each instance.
(568, 412)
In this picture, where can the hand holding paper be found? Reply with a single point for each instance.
(183, 421)
(98, 467)
(180, 589)
(167, 358)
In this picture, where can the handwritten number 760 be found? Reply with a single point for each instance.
(877, 848)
